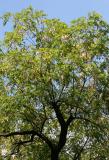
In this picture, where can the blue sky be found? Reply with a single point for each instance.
(66, 10)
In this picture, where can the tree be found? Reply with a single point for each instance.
(54, 87)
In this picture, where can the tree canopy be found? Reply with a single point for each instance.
(54, 90)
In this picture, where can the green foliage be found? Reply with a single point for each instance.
(45, 61)
(6, 18)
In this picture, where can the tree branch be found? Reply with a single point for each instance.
(32, 133)
(58, 114)
(77, 156)
(25, 142)
(17, 133)
(69, 120)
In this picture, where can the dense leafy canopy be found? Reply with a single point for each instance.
(54, 87)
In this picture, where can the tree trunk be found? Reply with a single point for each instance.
(54, 155)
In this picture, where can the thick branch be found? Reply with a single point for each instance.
(32, 132)
(69, 120)
(62, 138)
(17, 133)
(44, 138)
(58, 114)
(64, 127)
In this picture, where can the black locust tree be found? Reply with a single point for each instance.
(54, 90)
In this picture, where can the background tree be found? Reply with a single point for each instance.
(54, 87)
